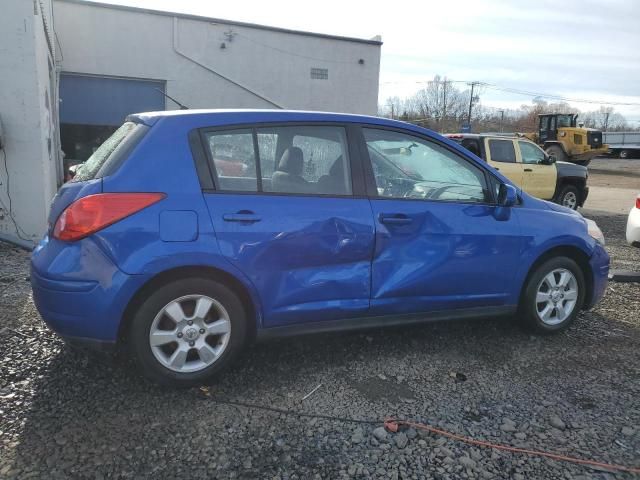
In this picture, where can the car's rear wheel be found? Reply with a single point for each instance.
(187, 331)
(553, 295)
(568, 197)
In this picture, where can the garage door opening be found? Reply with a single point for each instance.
(93, 107)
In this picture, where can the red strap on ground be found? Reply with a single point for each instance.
(393, 424)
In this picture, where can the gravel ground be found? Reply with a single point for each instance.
(65, 413)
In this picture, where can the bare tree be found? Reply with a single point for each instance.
(441, 106)
(605, 118)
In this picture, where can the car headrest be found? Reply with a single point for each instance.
(292, 161)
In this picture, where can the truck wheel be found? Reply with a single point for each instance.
(553, 296)
(568, 197)
(557, 152)
(624, 154)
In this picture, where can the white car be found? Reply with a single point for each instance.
(633, 225)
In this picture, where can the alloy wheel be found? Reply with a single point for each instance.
(570, 200)
(556, 296)
(190, 333)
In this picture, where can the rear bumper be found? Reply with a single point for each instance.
(599, 263)
(79, 292)
(82, 312)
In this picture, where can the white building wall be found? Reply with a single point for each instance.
(28, 100)
(258, 68)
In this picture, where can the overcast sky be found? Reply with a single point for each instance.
(581, 49)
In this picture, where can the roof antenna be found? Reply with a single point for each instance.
(182, 107)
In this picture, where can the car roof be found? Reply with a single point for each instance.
(214, 118)
(231, 116)
(499, 136)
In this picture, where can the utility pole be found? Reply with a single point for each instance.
(606, 121)
(501, 119)
(444, 104)
(473, 84)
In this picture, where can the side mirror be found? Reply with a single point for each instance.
(551, 159)
(507, 195)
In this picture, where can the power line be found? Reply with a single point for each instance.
(555, 97)
(527, 93)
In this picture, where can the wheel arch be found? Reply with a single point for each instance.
(190, 271)
(574, 253)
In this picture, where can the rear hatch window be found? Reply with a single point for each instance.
(110, 155)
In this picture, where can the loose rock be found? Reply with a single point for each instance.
(401, 440)
(557, 422)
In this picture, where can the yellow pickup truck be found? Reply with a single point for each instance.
(530, 167)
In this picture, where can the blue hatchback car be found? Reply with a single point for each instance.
(189, 233)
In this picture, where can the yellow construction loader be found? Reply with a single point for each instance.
(560, 136)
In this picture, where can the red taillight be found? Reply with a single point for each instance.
(638, 201)
(95, 212)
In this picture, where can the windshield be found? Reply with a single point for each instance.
(565, 121)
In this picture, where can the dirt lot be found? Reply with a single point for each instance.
(613, 184)
(66, 414)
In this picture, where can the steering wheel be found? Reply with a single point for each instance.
(437, 193)
(397, 187)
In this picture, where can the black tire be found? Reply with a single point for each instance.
(557, 152)
(528, 308)
(624, 154)
(569, 197)
(143, 319)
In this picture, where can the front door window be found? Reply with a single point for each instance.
(405, 166)
(531, 153)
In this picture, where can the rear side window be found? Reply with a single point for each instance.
(502, 151)
(234, 159)
(108, 156)
(301, 159)
(304, 159)
(472, 145)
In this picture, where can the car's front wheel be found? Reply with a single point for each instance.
(553, 295)
(569, 197)
(187, 331)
